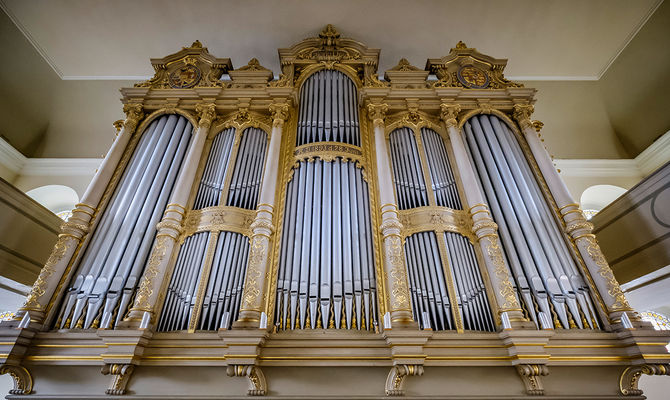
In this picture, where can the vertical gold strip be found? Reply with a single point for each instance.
(446, 266)
(204, 278)
(370, 156)
(424, 166)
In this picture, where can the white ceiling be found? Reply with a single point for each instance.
(543, 40)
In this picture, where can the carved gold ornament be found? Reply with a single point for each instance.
(38, 290)
(146, 288)
(604, 270)
(472, 77)
(506, 289)
(218, 218)
(395, 258)
(185, 77)
(252, 286)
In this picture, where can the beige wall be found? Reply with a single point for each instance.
(576, 124)
(636, 88)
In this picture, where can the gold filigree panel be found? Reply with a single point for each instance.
(219, 218)
(438, 219)
(328, 151)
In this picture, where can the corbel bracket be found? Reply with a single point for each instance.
(531, 376)
(120, 376)
(257, 384)
(631, 377)
(395, 380)
(23, 382)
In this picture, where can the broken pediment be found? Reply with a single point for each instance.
(466, 67)
(190, 67)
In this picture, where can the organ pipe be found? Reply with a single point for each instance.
(114, 259)
(546, 276)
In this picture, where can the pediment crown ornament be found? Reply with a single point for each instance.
(328, 48)
(251, 75)
(468, 68)
(406, 75)
(190, 67)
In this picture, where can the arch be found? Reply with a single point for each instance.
(166, 111)
(508, 121)
(59, 199)
(596, 197)
(314, 68)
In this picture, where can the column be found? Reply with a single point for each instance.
(170, 226)
(482, 223)
(75, 229)
(256, 280)
(395, 270)
(576, 226)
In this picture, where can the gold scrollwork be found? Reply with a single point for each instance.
(39, 287)
(252, 284)
(327, 151)
(218, 218)
(146, 289)
(604, 270)
(506, 289)
(394, 255)
(435, 218)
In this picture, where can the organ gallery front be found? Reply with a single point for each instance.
(328, 233)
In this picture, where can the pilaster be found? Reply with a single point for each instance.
(577, 227)
(256, 280)
(395, 270)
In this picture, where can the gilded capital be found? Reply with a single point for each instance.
(206, 114)
(449, 114)
(522, 114)
(377, 113)
(134, 113)
(280, 113)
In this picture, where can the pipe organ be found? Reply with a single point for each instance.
(328, 226)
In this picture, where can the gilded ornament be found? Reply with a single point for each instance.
(472, 77)
(39, 287)
(280, 113)
(23, 381)
(377, 113)
(506, 289)
(604, 270)
(185, 77)
(145, 289)
(522, 114)
(449, 114)
(252, 284)
(395, 258)
(206, 113)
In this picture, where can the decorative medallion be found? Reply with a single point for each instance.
(185, 77)
(472, 77)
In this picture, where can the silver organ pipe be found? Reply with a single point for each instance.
(426, 269)
(114, 259)
(326, 275)
(545, 273)
(328, 109)
(441, 174)
(223, 291)
(408, 176)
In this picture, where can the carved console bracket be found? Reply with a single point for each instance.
(631, 377)
(531, 376)
(257, 384)
(396, 378)
(120, 376)
(23, 382)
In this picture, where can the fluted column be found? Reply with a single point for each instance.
(170, 226)
(75, 229)
(395, 270)
(482, 223)
(256, 280)
(579, 229)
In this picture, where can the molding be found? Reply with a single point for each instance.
(654, 156)
(552, 78)
(106, 77)
(30, 39)
(598, 168)
(630, 38)
(11, 158)
(61, 166)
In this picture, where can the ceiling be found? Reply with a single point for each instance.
(544, 40)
